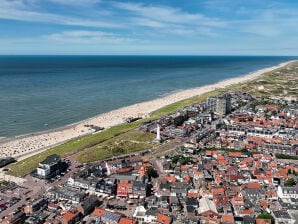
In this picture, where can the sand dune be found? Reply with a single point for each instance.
(31, 144)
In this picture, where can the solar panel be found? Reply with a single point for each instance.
(111, 216)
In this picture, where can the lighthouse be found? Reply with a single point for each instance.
(158, 133)
(158, 138)
(108, 169)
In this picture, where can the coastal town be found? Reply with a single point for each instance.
(231, 159)
(148, 112)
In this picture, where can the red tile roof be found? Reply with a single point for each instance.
(170, 178)
(264, 203)
(235, 154)
(126, 221)
(247, 211)
(124, 170)
(237, 201)
(98, 212)
(227, 218)
(69, 216)
(253, 185)
(161, 218)
(216, 191)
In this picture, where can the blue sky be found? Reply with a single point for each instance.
(172, 27)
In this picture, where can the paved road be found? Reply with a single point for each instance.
(7, 177)
(37, 188)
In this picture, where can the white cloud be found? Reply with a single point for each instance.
(266, 22)
(169, 15)
(147, 22)
(84, 3)
(261, 30)
(19, 10)
(88, 37)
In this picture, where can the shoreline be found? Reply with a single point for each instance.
(24, 146)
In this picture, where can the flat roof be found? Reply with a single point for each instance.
(52, 159)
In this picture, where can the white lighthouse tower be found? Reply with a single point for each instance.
(108, 169)
(158, 138)
(158, 133)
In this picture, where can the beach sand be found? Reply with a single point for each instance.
(28, 145)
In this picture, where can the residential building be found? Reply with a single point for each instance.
(287, 192)
(282, 217)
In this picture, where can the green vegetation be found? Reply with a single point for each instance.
(151, 172)
(279, 82)
(266, 216)
(260, 103)
(181, 159)
(128, 142)
(73, 146)
(3, 182)
(226, 150)
(290, 182)
(102, 145)
(284, 156)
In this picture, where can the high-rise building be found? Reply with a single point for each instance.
(219, 104)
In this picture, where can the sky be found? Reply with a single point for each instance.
(149, 27)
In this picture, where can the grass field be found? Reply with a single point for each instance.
(122, 138)
(128, 142)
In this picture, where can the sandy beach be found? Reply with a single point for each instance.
(30, 144)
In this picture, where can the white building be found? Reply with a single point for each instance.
(283, 217)
(78, 183)
(144, 216)
(207, 207)
(49, 166)
(287, 192)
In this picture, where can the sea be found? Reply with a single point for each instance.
(39, 93)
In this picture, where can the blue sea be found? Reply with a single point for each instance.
(45, 92)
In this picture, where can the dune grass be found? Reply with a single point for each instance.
(280, 82)
(26, 166)
(125, 143)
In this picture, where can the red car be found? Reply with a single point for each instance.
(4, 206)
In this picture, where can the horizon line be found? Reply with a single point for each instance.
(167, 55)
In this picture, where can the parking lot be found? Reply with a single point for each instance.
(8, 201)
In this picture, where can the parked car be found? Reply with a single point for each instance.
(4, 206)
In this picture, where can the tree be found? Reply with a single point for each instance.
(289, 171)
(290, 182)
(266, 216)
(151, 172)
